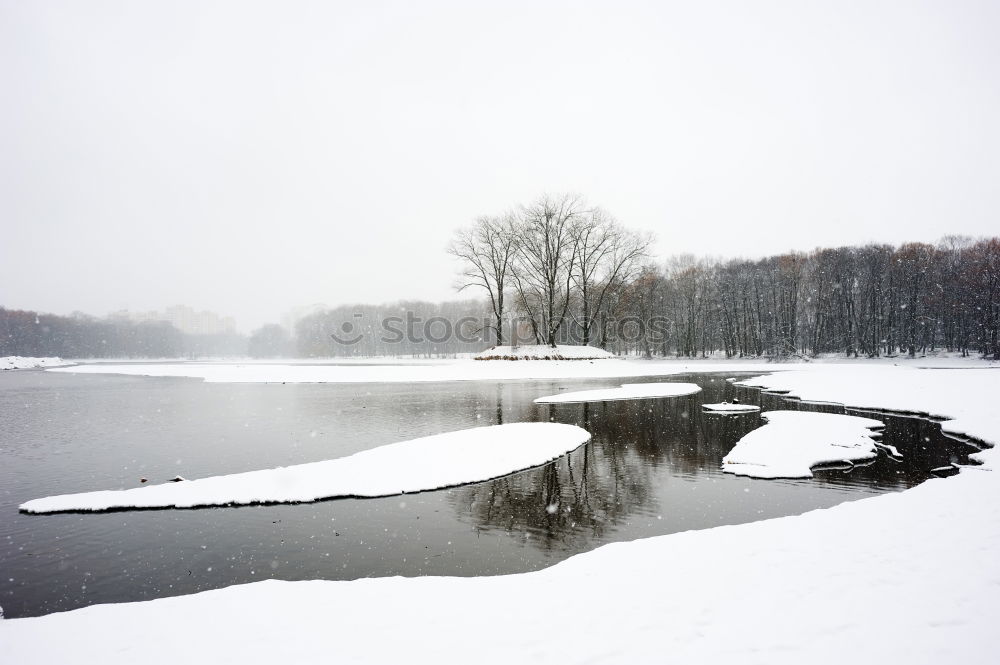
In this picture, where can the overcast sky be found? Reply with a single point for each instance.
(250, 157)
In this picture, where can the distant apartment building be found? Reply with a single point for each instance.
(185, 319)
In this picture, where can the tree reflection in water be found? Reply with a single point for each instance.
(640, 445)
(584, 494)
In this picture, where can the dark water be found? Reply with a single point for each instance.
(652, 468)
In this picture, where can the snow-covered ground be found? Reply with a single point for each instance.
(544, 352)
(625, 391)
(21, 362)
(398, 371)
(791, 443)
(427, 463)
(456, 370)
(912, 577)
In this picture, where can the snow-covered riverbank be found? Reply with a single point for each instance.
(912, 577)
(544, 352)
(21, 362)
(465, 369)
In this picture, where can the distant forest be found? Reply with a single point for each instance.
(28, 333)
(867, 301)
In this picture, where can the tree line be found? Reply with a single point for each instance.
(406, 328)
(874, 300)
(575, 275)
(35, 334)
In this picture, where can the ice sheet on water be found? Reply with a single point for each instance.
(625, 391)
(729, 407)
(431, 462)
(791, 443)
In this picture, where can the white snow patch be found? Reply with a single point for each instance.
(21, 362)
(791, 443)
(891, 450)
(447, 370)
(729, 407)
(543, 352)
(375, 370)
(626, 391)
(428, 463)
(904, 577)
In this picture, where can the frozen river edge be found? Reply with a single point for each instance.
(901, 577)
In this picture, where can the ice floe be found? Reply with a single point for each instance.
(890, 450)
(427, 463)
(730, 407)
(625, 391)
(791, 443)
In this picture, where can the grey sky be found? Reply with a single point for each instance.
(250, 157)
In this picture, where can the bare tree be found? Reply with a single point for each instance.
(689, 281)
(985, 276)
(911, 263)
(487, 250)
(546, 260)
(608, 256)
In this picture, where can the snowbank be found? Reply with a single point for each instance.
(431, 462)
(20, 362)
(910, 577)
(543, 352)
(398, 371)
(626, 391)
(455, 370)
(791, 443)
(729, 407)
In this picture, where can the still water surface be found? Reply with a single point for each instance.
(652, 468)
